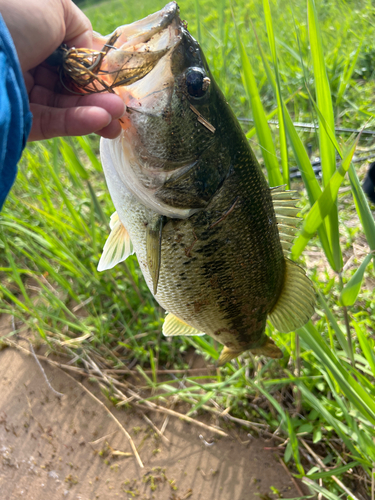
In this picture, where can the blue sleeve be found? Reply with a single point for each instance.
(15, 115)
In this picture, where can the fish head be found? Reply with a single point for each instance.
(169, 154)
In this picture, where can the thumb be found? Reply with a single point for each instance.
(78, 29)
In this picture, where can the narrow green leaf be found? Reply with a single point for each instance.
(72, 162)
(347, 74)
(280, 110)
(198, 16)
(341, 429)
(75, 215)
(355, 392)
(294, 443)
(302, 159)
(332, 321)
(365, 346)
(320, 489)
(85, 145)
(260, 120)
(96, 203)
(203, 400)
(363, 210)
(323, 94)
(327, 150)
(323, 121)
(351, 290)
(288, 452)
(323, 205)
(337, 471)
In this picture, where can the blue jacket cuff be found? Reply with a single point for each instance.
(15, 115)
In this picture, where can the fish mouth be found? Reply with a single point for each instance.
(133, 51)
(143, 72)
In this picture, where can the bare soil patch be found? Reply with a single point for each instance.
(70, 448)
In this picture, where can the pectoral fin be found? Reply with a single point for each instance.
(118, 246)
(173, 326)
(153, 248)
(296, 302)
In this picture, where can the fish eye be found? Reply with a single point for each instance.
(196, 82)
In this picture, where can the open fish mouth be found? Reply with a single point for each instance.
(125, 56)
(160, 72)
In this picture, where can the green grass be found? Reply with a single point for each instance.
(55, 223)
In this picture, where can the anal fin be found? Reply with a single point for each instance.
(268, 349)
(295, 305)
(174, 326)
(153, 248)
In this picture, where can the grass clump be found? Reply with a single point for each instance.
(296, 62)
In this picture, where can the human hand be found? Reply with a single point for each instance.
(38, 27)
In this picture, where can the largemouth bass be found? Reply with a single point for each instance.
(191, 199)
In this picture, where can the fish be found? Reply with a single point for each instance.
(210, 235)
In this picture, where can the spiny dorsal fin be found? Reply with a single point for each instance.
(295, 305)
(173, 326)
(284, 204)
(118, 246)
(153, 248)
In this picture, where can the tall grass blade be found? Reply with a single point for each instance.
(333, 323)
(280, 108)
(363, 210)
(85, 145)
(198, 16)
(333, 472)
(347, 74)
(73, 164)
(261, 125)
(320, 489)
(323, 205)
(302, 159)
(351, 290)
(327, 150)
(352, 390)
(367, 348)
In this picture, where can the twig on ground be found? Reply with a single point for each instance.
(176, 414)
(159, 371)
(31, 352)
(58, 394)
(296, 485)
(101, 438)
(145, 417)
(324, 467)
(124, 431)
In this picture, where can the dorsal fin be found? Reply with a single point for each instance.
(295, 305)
(173, 326)
(118, 246)
(284, 204)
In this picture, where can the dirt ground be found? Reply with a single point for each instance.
(70, 448)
